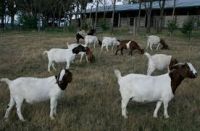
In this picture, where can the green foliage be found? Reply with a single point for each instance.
(85, 26)
(188, 27)
(71, 28)
(28, 22)
(1, 7)
(171, 26)
(104, 26)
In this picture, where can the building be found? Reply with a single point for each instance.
(126, 13)
(107, 2)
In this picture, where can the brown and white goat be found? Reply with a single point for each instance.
(160, 89)
(156, 40)
(90, 57)
(81, 34)
(128, 44)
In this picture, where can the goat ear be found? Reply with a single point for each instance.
(56, 77)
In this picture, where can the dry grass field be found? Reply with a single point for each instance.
(92, 101)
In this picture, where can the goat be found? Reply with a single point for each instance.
(160, 89)
(33, 90)
(89, 55)
(89, 39)
(128, 44)
(109, 41)
(81, 34)
(160, 62)
(155, 40)
(63, 55)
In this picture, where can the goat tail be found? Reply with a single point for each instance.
(45, 52)
(6, 80)
(148, 55)
(117, 74)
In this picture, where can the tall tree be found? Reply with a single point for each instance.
(162, 7)
(96, 13)
(139, 14)
(173, 12)
(148, 9)
(83, 4)
(2, 12)
(113, 15)
(104, 10)
(11, 10)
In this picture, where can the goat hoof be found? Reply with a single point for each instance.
(22, 120)
(125, 117)
(52, 118)
(166, 116)
(155, 116)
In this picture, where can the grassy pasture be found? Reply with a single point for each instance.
(92, 100)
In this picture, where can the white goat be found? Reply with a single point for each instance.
(160, 62)
(90, 39)
(62, 55)
(155, 40)
(160, 89)
(109, 41)
(33, 90)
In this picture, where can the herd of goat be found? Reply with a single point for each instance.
(136, 87)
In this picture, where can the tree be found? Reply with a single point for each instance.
(171, 26)
(2, 12)
(12, 10)
(173, 12)
(162, 7)
(188, 27)
(148, 9)
(113, 15)
(139, 14)
(96, 13)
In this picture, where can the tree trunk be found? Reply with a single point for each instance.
(139, 13)
(12, 20)
(162, 7)
(3, 14)
(148, 12)
(81, 18)
(53, 19)
(77, 13)
(113, 15)
(95, 21)
(104, 11)
(148, 23)
(119, 19)
(173, 13)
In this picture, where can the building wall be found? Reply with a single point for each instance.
(180, 19)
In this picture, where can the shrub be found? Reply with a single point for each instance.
(104, 26)
(171, 26)
(28, 22)
(188, 27)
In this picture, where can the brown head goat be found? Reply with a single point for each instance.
(128, 44)
(90, 57)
